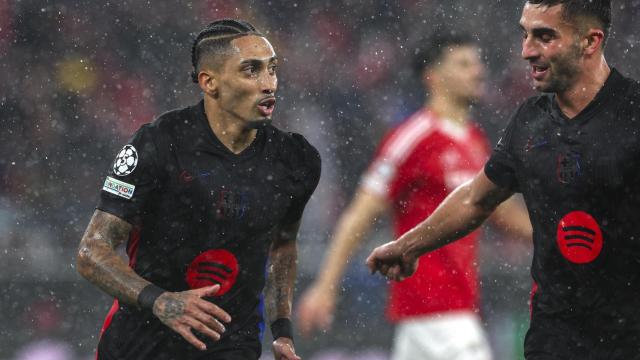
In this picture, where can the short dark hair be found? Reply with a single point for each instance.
(429, 50)
(215, 39)
(599, 10)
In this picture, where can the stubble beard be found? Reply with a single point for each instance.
(565, 71)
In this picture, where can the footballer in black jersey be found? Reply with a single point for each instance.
(574, 154)
(209, 200)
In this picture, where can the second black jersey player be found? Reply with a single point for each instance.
(574, 155)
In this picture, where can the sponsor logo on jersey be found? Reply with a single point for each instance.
(579, 237)
(119, 188)
(213, 267)
(126, 161)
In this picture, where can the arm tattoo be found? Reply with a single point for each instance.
(281, 277)
(99, 263)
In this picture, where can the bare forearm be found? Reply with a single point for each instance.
(460, 213)
(281, 276)
(352, 227)
(99, 263)
(513, 219)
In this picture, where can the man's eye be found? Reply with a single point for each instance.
(249, 69)
(546, 38)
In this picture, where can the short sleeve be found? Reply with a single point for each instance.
(500, 168)
(393, 166)
(306, 175)
(132, 178)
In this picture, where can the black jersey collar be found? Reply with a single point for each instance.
(209, 142)
(614, 87)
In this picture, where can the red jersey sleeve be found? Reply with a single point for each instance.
(394, 166)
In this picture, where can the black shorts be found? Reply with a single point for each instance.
(590, 337)
(243, 344)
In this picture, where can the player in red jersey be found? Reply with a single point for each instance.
(416, 166)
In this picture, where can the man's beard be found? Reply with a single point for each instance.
(565, 71)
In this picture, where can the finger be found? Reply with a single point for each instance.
(214, 310)
(371, 262)
(287, 352)
(209, 321)
(290, 354)
(384, 270)
(202, 328)
(207, 291)
(188, 335)
(396, 272)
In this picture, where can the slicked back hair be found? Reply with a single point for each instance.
(599, 10)
(215, 39)
(430, 50)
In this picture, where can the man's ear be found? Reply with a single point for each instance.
(594, 41)
(208, 82)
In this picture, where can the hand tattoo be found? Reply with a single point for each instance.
(169, 307)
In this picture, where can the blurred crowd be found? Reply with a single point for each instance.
(78, 78)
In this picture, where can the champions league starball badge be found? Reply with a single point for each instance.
(126, 161)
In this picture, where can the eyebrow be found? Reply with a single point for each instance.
(539, 30)
(255, 61)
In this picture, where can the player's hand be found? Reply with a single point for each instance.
(186, 311)
(315, 309)
(283, 349)
(391, 261)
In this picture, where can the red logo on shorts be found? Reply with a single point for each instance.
(213, 267)
(579, 237)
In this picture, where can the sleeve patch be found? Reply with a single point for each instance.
(119, 188)
(126, 161)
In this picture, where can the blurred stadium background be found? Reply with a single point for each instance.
(77, 78)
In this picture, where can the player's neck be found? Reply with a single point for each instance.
(573, 100)
(229, 129)
(449, 108)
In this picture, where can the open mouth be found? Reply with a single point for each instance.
(265, 106)
(539, 71)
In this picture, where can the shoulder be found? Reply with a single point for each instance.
(170, 128)
(174, 120)
(634, 91)
(535, 105)
(408, 135)
(294, 149)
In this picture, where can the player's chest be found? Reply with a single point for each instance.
(253, 193)
(588, 158)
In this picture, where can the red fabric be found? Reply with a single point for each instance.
(534, 290)
(132, 246)
(417, 165)
(107, 320)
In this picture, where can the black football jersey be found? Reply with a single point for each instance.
(202, 216)
(580, 181)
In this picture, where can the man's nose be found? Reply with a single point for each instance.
(529, 50)
(269, 84)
